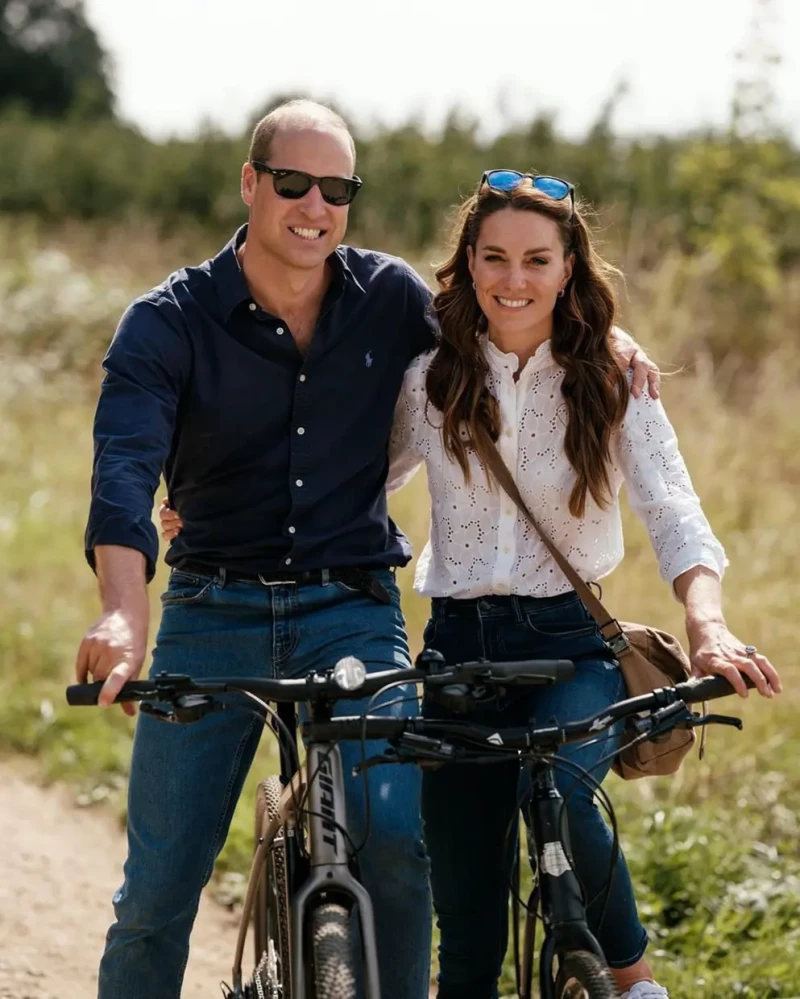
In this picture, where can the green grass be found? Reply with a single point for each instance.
(713, 851)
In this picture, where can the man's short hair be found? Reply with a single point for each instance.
(300, 113)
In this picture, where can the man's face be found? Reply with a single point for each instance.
(301, 233)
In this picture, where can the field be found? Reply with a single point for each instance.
(715, 851)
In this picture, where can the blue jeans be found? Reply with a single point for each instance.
(185, 780)
(467, 809)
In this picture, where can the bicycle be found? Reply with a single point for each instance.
(303, 887)
(580, 970)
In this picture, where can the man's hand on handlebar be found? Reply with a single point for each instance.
(113, 650)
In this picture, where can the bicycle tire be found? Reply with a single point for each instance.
(333, 953)
(582, 975)
(271, 908)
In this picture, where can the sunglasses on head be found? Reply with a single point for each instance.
(509, 180)
(294, 184)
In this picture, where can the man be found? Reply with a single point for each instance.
(263, 383)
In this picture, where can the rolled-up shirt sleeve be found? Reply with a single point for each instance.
(147, 366)
(661, 494)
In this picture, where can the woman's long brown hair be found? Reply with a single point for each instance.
(594, 388)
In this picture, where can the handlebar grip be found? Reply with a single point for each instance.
(86, 694)
(80, 694)
(707, 688)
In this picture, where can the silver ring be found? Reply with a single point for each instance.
(750, 650)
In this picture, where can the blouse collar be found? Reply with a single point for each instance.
(501, 362)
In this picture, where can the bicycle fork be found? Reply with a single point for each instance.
(329, 865)
(562, 903)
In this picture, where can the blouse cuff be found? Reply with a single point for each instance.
(716, 561)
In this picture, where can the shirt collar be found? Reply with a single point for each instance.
(232, 288)
(500, 362)
(226, 271)
(339, 260)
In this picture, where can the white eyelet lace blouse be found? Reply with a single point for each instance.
(480, 544)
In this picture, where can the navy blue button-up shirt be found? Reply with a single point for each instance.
(273, 459)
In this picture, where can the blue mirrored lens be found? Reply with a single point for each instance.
(503, 180)
(552, 186)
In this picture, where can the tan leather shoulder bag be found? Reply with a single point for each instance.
(649, 658)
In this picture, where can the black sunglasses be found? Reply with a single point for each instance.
(294, 184)
(508, 180)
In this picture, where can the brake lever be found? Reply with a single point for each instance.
(699, 720)
(426, 748)
(183, 709)
(676, 714)
(411, 748)
(161, 712)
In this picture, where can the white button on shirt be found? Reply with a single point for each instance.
(481, 544)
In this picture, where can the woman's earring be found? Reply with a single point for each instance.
(474, 287)
(561, 293)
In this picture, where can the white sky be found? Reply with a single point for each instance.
(179, 62)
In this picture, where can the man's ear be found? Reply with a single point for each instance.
(249, 182)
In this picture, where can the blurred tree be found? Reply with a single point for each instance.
(741, 196)
(51, 61)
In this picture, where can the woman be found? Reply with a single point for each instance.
(526, 313)
(526, 310)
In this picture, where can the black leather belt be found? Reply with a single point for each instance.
(355, 577)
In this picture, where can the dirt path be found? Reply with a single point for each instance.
(59, 866)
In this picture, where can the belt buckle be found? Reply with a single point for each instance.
(274, 582)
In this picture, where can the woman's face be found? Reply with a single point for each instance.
(518, 266)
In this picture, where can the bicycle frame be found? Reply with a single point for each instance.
(330, 871)
(562, 906)
(321, 784)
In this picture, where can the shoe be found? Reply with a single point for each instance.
(646, 990)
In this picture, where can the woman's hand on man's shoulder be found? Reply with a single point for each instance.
(629, 355)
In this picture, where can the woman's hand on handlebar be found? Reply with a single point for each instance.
(714, 650)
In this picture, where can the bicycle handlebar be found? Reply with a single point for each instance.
(317, 688)
(169, 686)
(322, 687)
(376, 727)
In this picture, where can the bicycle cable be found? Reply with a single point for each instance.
(363, 744)
(575, 769)
(281, 730)
(283, 734)
(609, 810)
(312, 777)
(594, 785)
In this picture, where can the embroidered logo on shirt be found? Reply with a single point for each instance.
(368, 359)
